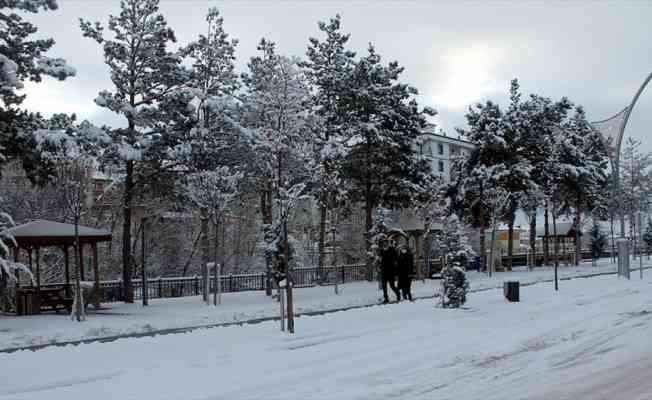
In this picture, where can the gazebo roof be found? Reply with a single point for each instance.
(43, 233)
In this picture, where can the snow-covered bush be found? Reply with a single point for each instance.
(453, 242)
(598, 241)
(377, 234)
(455, 286)
(7, 266)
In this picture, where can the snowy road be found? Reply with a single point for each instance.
(590, 341)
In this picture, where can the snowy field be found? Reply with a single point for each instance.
(162, 314)
(591, 340)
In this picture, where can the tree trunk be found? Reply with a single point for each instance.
(205, 254)
(143, 261)
(322, 238)
(546, 234)
(367, 237)
(127, 263)
(578, 238)
(483, 231)
(556, 241)
(288, 279)
(266, 209)
(533, 238)
(613, 240)
(483, 247)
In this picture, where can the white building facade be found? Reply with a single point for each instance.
(442, 150)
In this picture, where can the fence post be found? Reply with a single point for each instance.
(343, 274)
(262, 281)
(231, 282)
(160, 289)
(196, 285)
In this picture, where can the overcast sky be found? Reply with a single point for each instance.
(455, 53)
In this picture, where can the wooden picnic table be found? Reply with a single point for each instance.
(44, 299)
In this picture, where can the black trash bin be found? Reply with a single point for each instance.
(511, 290)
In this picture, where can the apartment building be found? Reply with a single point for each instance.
(442, 150)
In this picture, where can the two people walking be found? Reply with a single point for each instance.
(395, 264)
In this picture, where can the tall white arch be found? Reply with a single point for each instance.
(606, 128)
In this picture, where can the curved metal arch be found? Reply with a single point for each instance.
(623, 125)
(615, 162)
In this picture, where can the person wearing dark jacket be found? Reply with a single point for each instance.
(405, 272)
(388, 258)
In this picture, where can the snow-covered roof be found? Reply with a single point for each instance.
(407, 222)
(563, 229)
(51, 233)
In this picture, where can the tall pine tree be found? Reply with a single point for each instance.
(327, 68)
(382, 167)
(143, 71)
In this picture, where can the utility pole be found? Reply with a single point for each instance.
(640, 245)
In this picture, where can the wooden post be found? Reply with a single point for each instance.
(66, 263)
(81, 261)
(96, 272)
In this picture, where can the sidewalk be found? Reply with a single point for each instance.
(162, 316)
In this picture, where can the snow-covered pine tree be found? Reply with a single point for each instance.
(455, 286)
(647, 237)
(143, 71)
(278, 114)
(582, 163)
(72, 150)
(214, 191)
(210, 93)
(453, 243)
(377, 234)
(23, 57)
(492, 165)
(382, 166)
(598, 241)
(327, 68)
(542, 118)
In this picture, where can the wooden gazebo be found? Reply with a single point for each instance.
(34, 235)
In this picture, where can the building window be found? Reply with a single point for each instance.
(440, 148)
(440, 166)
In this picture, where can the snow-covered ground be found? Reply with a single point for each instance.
(590, 340)
(162, 314)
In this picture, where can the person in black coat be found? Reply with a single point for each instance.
(405, 272)
(388, 258)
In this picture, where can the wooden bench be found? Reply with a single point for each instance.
(53, 299)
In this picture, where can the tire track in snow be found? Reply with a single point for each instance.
(62, 383)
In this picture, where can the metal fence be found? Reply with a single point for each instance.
(113, 291)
